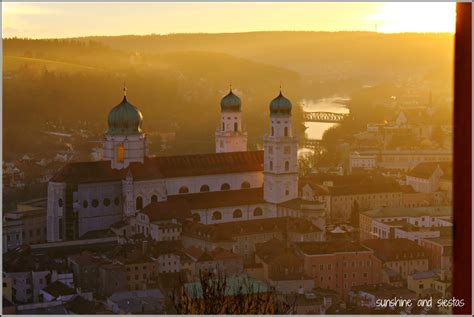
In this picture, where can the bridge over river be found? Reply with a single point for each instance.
(322, 116)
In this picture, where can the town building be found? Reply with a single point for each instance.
(241, 237)
(382, 222)
(340, 265)
(399, 256)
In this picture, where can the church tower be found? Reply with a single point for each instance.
(124, 142)
(230, 136)
(280, 154)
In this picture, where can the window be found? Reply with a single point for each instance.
(225, 186)
(237, 213)
(60, 202)
(139, 203)
(286, 131)
(287, 150)
(245, 185)
(273, 131)
(216, 215)
(183, 190)
(204, 188)
(85, 204)
(106, 202)
(270, 149)
(120, 153)
(95, 203)
(236, 127)
(197, 217)
(271, 166)
(257, 212)
(223, 126)
(117, 201)
(287, 166)
(154, 198)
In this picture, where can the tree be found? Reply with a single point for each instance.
(211, 296)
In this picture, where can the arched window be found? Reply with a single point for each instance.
(236, 127)
(273, 131)
(271, 165)
(85, 204)
(216, 215)
(60, 202)
(257, 212)
(287, 166)
(237, 213)
(106, 202)
(139, 203)
(286, 131)
(204, 188)
(95, 203)
(154, 198)
(183, 190)
(223, 126)
(197, 217)
(120, 153)
(225, 186)
(245, 185)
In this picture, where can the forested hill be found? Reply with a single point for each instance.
(326, 55)
(177, 80)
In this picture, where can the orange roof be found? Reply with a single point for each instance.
(163, 167)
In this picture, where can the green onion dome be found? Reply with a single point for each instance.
(125, 119)
(280, 105)
(230, 103)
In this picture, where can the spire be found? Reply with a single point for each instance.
(280, 90)
(230, 86)
(124, 92)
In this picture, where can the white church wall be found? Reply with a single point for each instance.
(227, 213)
(194, 183)
(56, 191)
(99, 205)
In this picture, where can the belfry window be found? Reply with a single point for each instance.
(139, 203)
(236, 127)
(120, 153)
(223, 126)
(273, 131)
(286, 131)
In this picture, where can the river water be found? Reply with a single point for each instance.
(315, 130)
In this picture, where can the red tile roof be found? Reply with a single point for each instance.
(218, 199)
(395, 249)
(426, 169)
(163, 167)
(165, 210)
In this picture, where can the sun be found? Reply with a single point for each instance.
(416, 17)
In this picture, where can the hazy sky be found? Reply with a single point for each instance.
(44, 20)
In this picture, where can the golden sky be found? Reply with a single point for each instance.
(48, 20)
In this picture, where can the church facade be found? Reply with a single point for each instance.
(233, 184)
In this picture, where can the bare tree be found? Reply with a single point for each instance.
(213, 295)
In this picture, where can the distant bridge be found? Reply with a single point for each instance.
(331, 117)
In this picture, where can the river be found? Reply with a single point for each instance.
(315, 130)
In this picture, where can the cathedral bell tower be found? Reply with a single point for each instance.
(280, 154)
(230, 136)
(124, 142)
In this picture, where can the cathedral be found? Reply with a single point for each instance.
(233, 184)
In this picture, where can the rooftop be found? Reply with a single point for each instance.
(395, 249)
(163, 167)
(57, 289)
(166, 210)
(426, 169)
(241, 197)
(330, 247)
(390, 212)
